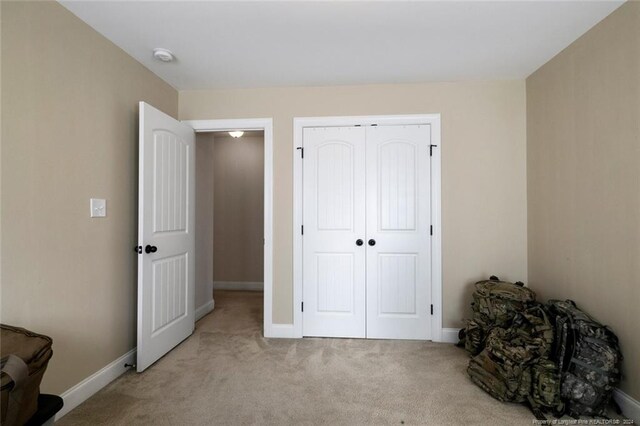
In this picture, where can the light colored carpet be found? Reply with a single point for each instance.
(228, 374)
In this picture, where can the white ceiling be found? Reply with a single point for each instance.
(263, 44)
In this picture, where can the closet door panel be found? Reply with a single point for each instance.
(398, 232)
(333, 219)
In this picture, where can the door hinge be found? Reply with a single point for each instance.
(430, 229)
(431, 150)
(431, 309)
(302, 306)
(301, 151)
(301, 229)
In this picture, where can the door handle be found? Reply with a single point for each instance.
(359, 242)
(150, 249)
(138, 249)
(372, 242)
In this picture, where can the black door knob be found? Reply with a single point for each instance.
(150, 249)
(359, 242)
(372, 242)
(138, 249)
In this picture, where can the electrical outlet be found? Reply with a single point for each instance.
(98, 207)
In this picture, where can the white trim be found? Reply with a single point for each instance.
(265, 124)
(92, 384)
(436, 238)
(298, 126)
(629, 406)
(283, 331)
(448, 335)
(299, 123)
(239, 285)
(224, 125)
(205, 308)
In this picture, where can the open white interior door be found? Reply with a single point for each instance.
(166, 239)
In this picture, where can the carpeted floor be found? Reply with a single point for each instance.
(228, 374)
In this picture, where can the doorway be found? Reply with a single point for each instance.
(229, 214)
(251, 127)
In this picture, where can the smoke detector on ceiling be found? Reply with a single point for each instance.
(163, 55)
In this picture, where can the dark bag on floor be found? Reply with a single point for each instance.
(588, 356)
(495, 303)
(25, 356)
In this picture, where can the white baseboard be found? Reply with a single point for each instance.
(450, 335)
(629, 406)
(205, 309)
(239, 285)
(283, 331)
(286, 331)
(92, 384)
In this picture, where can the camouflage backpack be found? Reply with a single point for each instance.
(514, 366)
(588, 357)
(495, 303)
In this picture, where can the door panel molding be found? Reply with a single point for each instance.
(433, 120)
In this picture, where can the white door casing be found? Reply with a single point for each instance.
(265, 125)
(166, 276)
(398, 232)
(334, 219)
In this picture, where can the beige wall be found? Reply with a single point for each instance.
(583, 129)
(483, 169)
(204, 218)
(239, 208)
(69, 133)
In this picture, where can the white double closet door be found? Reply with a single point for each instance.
(366, 232)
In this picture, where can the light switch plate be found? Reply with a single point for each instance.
(98, 207)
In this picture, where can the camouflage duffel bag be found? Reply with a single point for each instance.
(588, 357)
(532, 333)
(514, 366)
(494, 304)
(529, 338)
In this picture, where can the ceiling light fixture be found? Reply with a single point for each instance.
(163, 55)
(236, 134)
